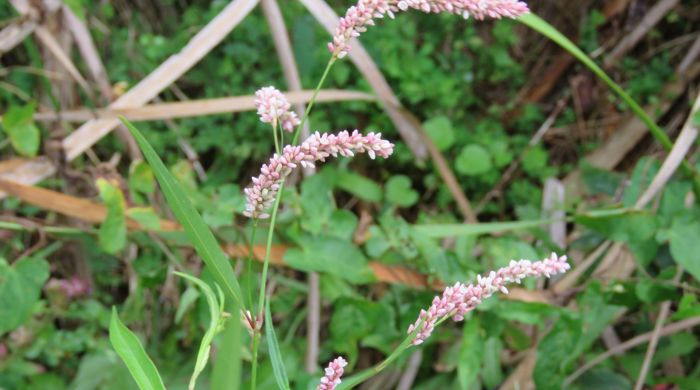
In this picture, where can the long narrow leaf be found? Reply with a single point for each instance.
(216, 307)
(274, 349)
(226, 374)
(540, 25)
(202, 238)
(463, 229)
(132, 353)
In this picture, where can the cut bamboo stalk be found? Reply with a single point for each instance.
(193, 108)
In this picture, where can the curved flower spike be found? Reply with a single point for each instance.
(260, 196)
(333, 372)
(274, 108)
(457, 300)
(358, 17)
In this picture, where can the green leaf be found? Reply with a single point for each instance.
(199, 234)
(685, 245)
(492, 374)
(18, 123)
(458, 229)
(359, 186)
(132, 353)
(331, 255)
(112, 234)
(145, 216)
(440, 130)
(216, 323)
(471, 354)
(20, 288)
(141, 177)
(226, 373)
(274, 349)
(399, 191)
(473, 160)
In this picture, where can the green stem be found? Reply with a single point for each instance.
(312, 100)
(250, 264)
(254, 371)
(268, 248)
(273, 220)
(355, 380)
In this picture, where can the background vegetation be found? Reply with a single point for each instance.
(517, 119)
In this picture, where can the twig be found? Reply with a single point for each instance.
(674, 159)
(194, 108)
(654, 16)
(409, 375)
(631, 343)
(651, 349)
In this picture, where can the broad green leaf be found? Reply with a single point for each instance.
(18, 123)
(399, 191)
(141, 177)
(20, 288)
(473, 160)
(471, 354)
(129, 349)
(112, 234)
(199, 234)
(492, 374)
(332, 255)
(685, 244)
(226, 373)
(440, 130)
(316, 202)
(274, 349)
(145, 216)
(216, 323)
(359, 186)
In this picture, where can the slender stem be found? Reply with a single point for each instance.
(273, 220)
(355, 380)
(274, 134)
(268, 248)
(254, 371)
(313, 99)
(249, 272)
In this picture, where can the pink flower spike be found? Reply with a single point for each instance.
(457, 300)
(318, 147)
(333, 372)
(358, 17)
(274, 108)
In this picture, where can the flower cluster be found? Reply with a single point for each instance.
(459, 299)
(274, 108)
(358, 17)
(317, 147)
(333, 373)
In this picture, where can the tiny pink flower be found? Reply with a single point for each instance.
(318, 147)
(333, 372)
(457, 300)
(274, 108)
(359, 16)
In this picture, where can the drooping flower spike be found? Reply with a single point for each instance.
(359, 16)
(457, 300)
(261, 195)
(274, 108)
(333, 372)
